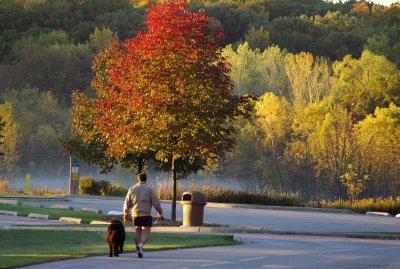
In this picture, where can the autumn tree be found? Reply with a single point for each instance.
(10, 138)
(166, 90)
(331, 147)
(361, 85)
(309, 78)
(298, 156)
(377, 137)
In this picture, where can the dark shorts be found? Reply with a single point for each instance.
(144, 221)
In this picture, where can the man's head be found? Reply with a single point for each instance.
(142, 177)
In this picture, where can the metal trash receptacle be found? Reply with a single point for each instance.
(193, 203)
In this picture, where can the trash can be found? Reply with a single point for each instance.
(193, 203)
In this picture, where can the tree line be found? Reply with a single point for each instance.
(325, 74)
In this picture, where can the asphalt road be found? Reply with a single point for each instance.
(262, 218)
(258, 251)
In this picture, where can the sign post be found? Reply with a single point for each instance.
(27, 183)
(74, 176)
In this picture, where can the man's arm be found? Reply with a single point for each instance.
(156, 203)
(128, 205)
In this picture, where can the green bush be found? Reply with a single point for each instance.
(88, 185)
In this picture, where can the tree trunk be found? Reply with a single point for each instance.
(173, 210)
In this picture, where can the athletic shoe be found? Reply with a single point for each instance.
(139, 249)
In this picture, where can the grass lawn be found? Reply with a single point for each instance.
(23, 247)
(29, 196)
(380, 234)
(54, 213)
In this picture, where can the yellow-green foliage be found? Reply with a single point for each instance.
(390, 205)
(88, 185)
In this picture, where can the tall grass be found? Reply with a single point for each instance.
(6, 189)
(390, 205)
(228, 195)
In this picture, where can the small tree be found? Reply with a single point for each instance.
(166, 91)
(2, 124)
(354, 184)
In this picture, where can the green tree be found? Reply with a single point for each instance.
(46, 40)
(271, 72)
(382, 45)
(362, 84)
(235, 22)
(58, 68)
(100, 38)
(258, 38)
(247, 161)
(10, 157)
(243, 71)
(125, 23)
(12, 23)
(41, 122)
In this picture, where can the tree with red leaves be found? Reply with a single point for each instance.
(166, 91)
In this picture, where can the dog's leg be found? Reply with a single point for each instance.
(116, 250)
(111, 250)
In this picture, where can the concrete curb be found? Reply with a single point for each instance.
(92, 210)
(38, 216)
(9, 213)
(32, 204)
(66, 207)
(9, 202)
(72, 220)
(98, 222)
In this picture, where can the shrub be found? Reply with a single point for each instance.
(5, 186)
(88, 185)
(116, 190)
(102, 186)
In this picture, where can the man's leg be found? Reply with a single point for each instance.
(145, 235)
(138, 235)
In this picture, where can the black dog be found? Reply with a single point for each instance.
(116, 237)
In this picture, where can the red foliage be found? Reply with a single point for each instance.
(165, 79)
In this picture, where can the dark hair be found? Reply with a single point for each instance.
(141, 177)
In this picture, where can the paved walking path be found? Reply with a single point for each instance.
(257, 251)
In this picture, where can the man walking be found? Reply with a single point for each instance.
(139, 200)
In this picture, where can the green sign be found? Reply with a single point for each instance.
(75, 162)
